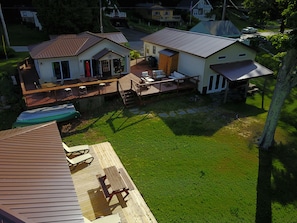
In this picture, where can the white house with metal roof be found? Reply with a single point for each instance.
(87, 54)
(217, 60)
(198, 9)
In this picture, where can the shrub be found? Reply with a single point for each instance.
(9, 51)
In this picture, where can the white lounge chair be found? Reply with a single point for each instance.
(81, 149)
(84, 158)
(114, 218)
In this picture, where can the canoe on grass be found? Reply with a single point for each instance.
(57, 113)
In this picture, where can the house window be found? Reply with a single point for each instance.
(61, 70)
(157, 13)
(217, 81)
(195, 12)
(117, 66)
(105, 66)
(154, 49)
(166, 13)
(200, 11)
(147, 50)
(210, 83)
(224, 83)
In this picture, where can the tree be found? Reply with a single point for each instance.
(286, 77)
(264, 10)
(286, 80)
(68, 16)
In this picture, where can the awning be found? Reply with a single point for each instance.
(168, 52)
(242, 70)
(105, 52)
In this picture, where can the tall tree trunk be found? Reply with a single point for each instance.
(286, 79)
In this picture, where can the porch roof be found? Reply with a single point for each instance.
(241, 70)
(104, 52)
(168, 52)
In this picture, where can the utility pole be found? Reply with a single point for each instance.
(191, 12)
(4, 27)
(101, 26)
(224, 10)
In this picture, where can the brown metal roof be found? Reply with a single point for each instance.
(71, 44)
(117, 37)
(198, 44)
(35, 181)
(241, 70)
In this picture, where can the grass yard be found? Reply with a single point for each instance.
(201, 167)
(195, 167)
(21, 35)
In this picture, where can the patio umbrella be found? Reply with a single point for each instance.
(88, 71)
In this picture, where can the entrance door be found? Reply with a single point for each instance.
(106, 69)
(216, 83)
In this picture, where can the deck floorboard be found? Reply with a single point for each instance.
(92, 200)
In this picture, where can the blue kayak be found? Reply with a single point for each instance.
(57, 113)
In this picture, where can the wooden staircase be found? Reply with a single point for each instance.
(130, 98)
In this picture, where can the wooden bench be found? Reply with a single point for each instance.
(101, 180)
(126, 179)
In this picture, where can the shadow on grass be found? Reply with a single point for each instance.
(119, 115)
(263, 209)
(284, 174)
(277, 180)
(209, 119)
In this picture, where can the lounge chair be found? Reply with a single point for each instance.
(146, 77)
(81, 149)
(114, 218)
(84, 158)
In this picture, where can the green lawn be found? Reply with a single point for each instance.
(21, 35)
(201, 167)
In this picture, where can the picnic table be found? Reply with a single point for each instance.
(116, 181)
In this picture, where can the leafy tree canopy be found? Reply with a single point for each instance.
(68, 16)
(260, 11)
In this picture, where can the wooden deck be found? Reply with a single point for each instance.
(56, 95)
(92, 200)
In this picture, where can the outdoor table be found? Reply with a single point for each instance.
(48, 85)
(117, 184)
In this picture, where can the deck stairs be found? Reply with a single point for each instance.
(130, 98)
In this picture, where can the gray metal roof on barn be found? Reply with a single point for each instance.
(219, 28)
(35, 181)
(202, 45)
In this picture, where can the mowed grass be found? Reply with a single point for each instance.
(21, 35)
(201, 167)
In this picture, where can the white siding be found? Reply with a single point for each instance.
(46, 69)
(76, 65)
(234, 53)
(191, 65)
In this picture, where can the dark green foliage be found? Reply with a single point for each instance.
(7, 89)
(8, 54)
(64, 16)
(262, 11)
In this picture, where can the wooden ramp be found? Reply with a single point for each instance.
(92, 200)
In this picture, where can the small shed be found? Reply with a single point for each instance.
(168, 60)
